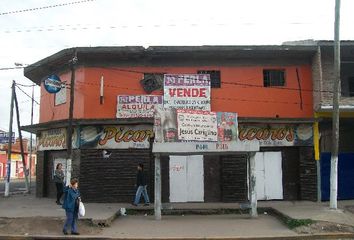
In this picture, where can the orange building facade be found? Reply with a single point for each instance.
(269, 87)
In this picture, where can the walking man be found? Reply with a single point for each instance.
(141, 186)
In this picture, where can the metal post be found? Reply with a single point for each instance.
(9, 146)
(335, 120)
(31, 142)
(21, 142)
(252, 184)
(157, 203)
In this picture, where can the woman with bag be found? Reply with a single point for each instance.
(71, 205)
(59, 181)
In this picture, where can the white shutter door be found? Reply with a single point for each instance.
(273, 175)
(195, 178)
(260, 176)
(178, 179)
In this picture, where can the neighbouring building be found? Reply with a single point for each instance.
(17, 170)
(323, 78)
(269, 87)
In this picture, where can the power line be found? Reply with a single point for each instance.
(44, 7)
(27, 94)
(79, 27)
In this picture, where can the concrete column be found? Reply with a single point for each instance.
(157, 203)
(252, 184)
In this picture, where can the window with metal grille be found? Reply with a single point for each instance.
(273, 78)
(215, 79)
(351, 86)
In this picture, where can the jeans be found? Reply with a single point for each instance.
(60, 187)
(139, 191)
(71, 221)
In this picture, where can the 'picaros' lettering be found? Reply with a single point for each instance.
(257, 133)
(123, 134)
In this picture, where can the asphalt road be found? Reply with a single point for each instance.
(16, 185)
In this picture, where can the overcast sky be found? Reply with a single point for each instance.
(29, 36)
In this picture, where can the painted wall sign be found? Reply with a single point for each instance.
(4, 137)
(278, 135)
(173, 125)
(137, 106)
(187, 91)
(55, 139)
(195, 125)
(53, 84)
(116, 137)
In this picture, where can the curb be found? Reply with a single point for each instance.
(305, 237)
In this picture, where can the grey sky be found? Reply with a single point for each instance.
(30, 36)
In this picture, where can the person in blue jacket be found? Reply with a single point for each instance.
(71, 206)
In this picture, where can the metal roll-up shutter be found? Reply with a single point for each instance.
(113, 178)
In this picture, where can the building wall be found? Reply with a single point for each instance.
(242, 91)
(328, 79)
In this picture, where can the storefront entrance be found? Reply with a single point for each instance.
(186, 178)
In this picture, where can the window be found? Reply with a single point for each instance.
(273, 78)
(351, 86)
(215, 79)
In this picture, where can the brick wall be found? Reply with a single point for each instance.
(328, 78)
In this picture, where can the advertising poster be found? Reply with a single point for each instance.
(227, 126)
(137, 106)
(116, 137)
(181, 125)
(195, 125)
(187, 91)
(274, 135)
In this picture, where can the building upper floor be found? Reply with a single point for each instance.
(323, 76)
(254, 81)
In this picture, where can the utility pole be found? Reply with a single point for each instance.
(30, 161)
(335, 120)
(69, 133)
(21, 143)
(9, 146)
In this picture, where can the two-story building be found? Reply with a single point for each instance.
(269, 87)
(323, 78)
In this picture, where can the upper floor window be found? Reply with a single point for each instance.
(273, 78)
(215, 79)
(347, 79)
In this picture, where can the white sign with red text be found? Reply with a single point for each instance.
(187, 91)
(137, 106)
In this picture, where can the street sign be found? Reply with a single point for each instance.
(4, 137)
(53, 84)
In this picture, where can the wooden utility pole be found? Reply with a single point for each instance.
(9, 146)
(31, 141)
(69, 134)
(21, 143)
(335, 120)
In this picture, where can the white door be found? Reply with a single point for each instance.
(269, 175)
(195, 178)
(186, 178)
(13, 169)
(178, 179)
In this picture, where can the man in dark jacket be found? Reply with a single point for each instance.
(141, 186)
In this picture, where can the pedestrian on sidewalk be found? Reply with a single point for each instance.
(59, 181)
(141, 186)
(71, 205)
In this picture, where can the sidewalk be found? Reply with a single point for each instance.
(49, 216)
